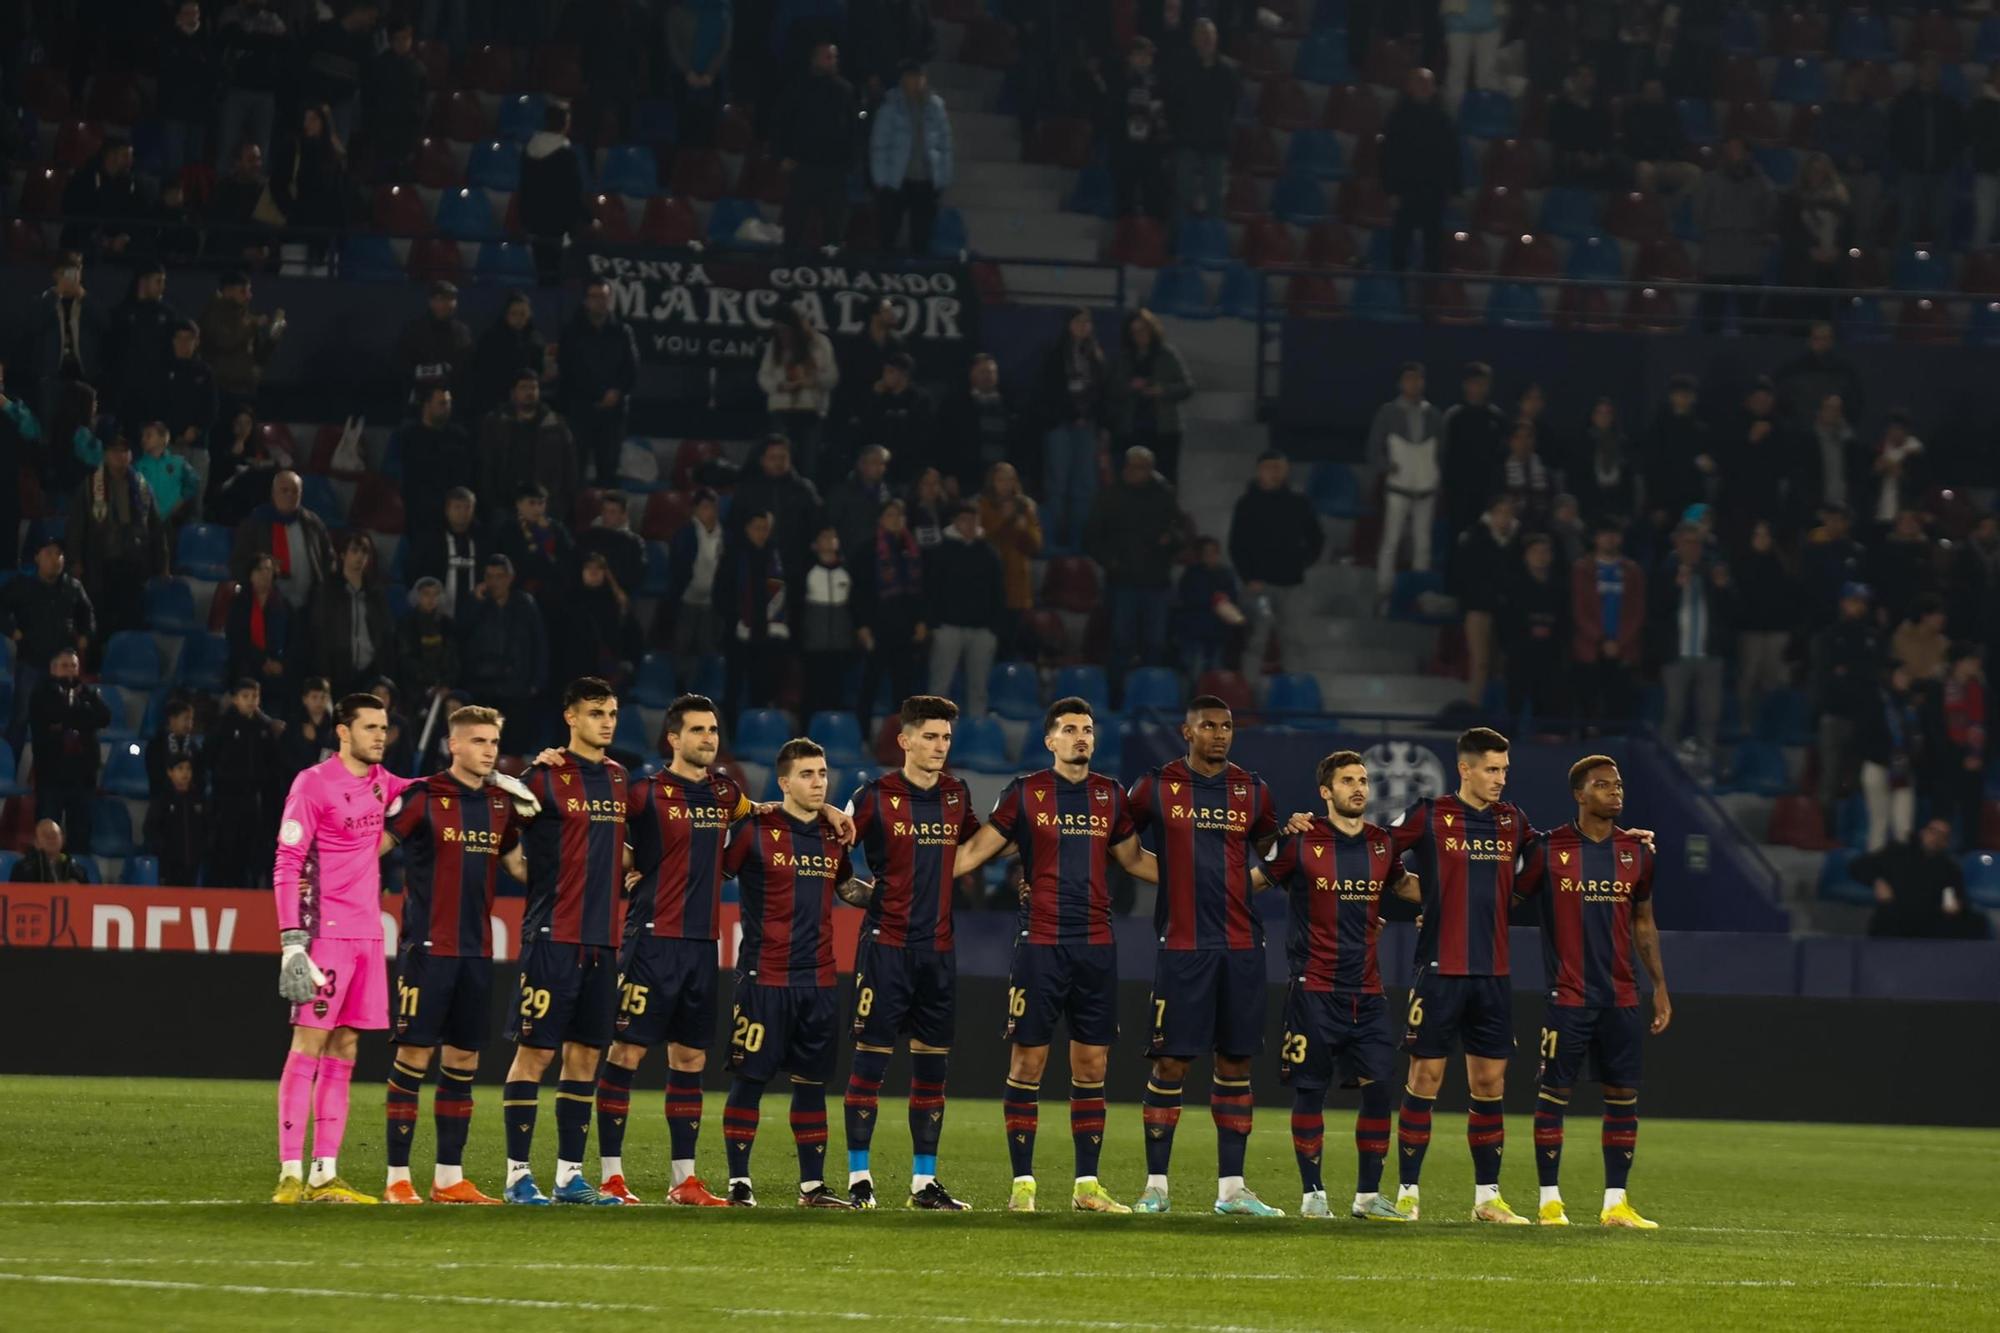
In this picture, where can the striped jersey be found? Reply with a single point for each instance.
(911, 836)
(1335, 885)
(677, 829)
(1465, 861)
(1207, 828)
(576, 851)
(785, 874)
(1587, 892)
(1065, 831)
(453, 837)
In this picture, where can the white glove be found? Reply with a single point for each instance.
(298, 977)
(525, 804)
(781, 631)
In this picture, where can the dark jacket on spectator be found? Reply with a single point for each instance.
(331, 627)
(1809, 379)
(113, 535)
(64, 717)
(504, 649)
(1918, 880)
(1824, 566)
(431, 351)
(974, 433)
(1755, 476)
(1926, 131)
(434, 461)
(964, 582)
(141, 349)
(1475, 445)
(309, 182)
(35, 868)
(392, 106)
(904, 423)
(551, 194)
(1064, 401)
(235, 346)
(1133, 532)
(246, 658)
(49, 617)
(165, 750)
(449, 557)
(177, 833)
(747, 583)
(1200, 589)
(1902, 572)
(186, 396)
(623, 549)
(1420, 155)
(501, 353)
(594, 358)
(1485, 562)
(332, 58)
(817, 123)
(190, 75)
(1652, 131)
(792, 501)
(45, 336)
(426, 653)
(1720, 615)
(1535, 614)
(542, 556)
(98, 205)
(515, 450)
(1587, 633)
(1975, 593)
(1846, 666)
(1767, 594)
(1201, 103)
(851, 510)
(243, 757)
(1274, 536)
(253, 538)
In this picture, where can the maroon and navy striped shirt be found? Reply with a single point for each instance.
(453, 837)
(1465, 861)
(785, 874)
(576, 852)
(1335, 884)
(911, 836)
(677, 830)
(1587, 890)
(1065, 831)
(1208, 828)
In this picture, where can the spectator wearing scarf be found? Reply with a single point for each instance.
(116, 540)
(260, 627)
(293, 536)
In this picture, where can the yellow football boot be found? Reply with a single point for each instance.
(1623, 1214)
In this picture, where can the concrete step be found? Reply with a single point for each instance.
(1372, 693)
(983, 136)
(1032, 235)
(1038, 284)
(981, 193)
(1221, 405)
(1749, 811)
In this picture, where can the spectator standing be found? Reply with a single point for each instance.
(259, 628)
(526, 442)
(1816, 374)
(66, 335)
(1678, 458)
(860, 360)
(184, 398)
(551, 194)
(911, 160)
(309, 738)
(1889, 741)
(1975, 586)
(929, 508)
(1472, 48)
(977, 428)
(539, 548)
(1832, 467)
(1421, 170)
(1475, 442)
(335, 54)
(828, 634)
(1961, 753)
(1608, 592)
(189, 89)
(1830, 560)
(816, 141)
(887, 35)
(426, 645)
(1203, 91)
(1919, 888)
(1814, 233)
(1768, 599)
(771, 485)
(243, 217)
(1605, 477)
(435, 454)
(967, 601)
(1404, 442)
(595, 633)
(248, 779)
(352, 638)
(610, 535)
(47, 862)
(600, 366)
(44, 614)
(1580, 133)
(1148, 384)
(1013, 526)
(1926, 136)
(117, 539)
(1903, 567)
(753, 606)
(1734, 208)
(1135, 531)
(292, 535)
(1135, 127)
(141, 342)
(435, 348)
(176, 489)
(1075, 381)
(699, 35)
(1846, 668)
(1760, 465)
(1208, 611)
(1920, 646)
(1891, 480)
(309, 180)
(891, 610)
(694, 557)
(855, 504)
(452, 551)
(256, 56)
(175, 742)
(504, 649)
(237, 341)
(176, 828)
(1655, 141)
(510, 345)
(1534, 632)
(1855, 131)
(393, 84)
(899, 416)
(1274, 538)
(1694, 628)
(64, 716)
(1486, 564)
(20, 440)
(104, 204)
(1982, 138)
(798, 375)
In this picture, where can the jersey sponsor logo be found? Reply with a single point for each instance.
(806, 863)
(1223, 821)
(1401, 773)
(1596, 890)
(1482, 849)
(292, 833)
(1086, 825)
(1357, 890)
(928, 832)
(472, 839)
(599, 809)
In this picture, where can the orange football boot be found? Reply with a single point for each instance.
(691, 1193)
(463, 1192)
(616, 1187)
(401, 1191)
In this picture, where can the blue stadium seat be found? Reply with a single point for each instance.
(202, 551)
(169, 606)
(949, 236)
(521, 117)
(659, 569)
(649, 767)
(654, 687)
(505, 262)
(1179, 290)
(1410, 586)
(1322, 56)
(1086, 683)
(118, 731)
(1241, 287)
(125, 775)
(711, 676)
(398, 596)
(1800, 80)
(142, 871)
(10, 784)
(1569, 212)
(979, 745)
(1595, 259)
(1986, 46)
(1203, 241)
(1156, 688)
(844, 784)
(369, 257)
(631, 735)
(203, 663)
(320, 497)
(1836, 885)
(1864, 37)
(1334, 491)
(1092, 193)
(8, 860)
(839, 731)
(1487, 114)
(1293, 692)
(1378, 297)
(1516, 305)
(1779, 163)
(1862, 321)
(1982, 324)
(1759, 767)
(1784, 718)
(1697, 120)
(131, 658)
(1299, 199)
(1851, 823)
(494, 166)
(655, 121)
(1740, 34)
(111, 828)
(1316, 153)
(1921, 270)
(726, 216)
(1982, 880)
(630, 170)
(1014, 691)
(467, 215)
(759, 733)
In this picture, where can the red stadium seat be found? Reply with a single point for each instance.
(25, 242)
(399, 210)
(1351, 108)
(689, 455)
(989, 281)
(436, 257)
(1388, 63)
(1070, 584)
(436, 60)
(864, 228)
(1269, 244)
(1448, 303)
(436, 166)
(460, 117)
(585, 508)
(1796, 821)
(1981, 273)
(115, 99)
(1282, 104)
(1529, 257)
(762, 179)
(490, 69)
(1936, 33)
(1653, 310)
(1244, 200)
(698, 174)
(1061, 141)
(1466, 252)
(1989, 824)
(1633, 216)
(1500, 211)
(278, 441)
(42, 191)
(557, 71)
(1798, 33)
(1313, 296)
(1864, 270)
(669, 221)
(1927, 323)
(1754, 120)
(1880, 85)
(1050, 636)
(1514, 163)
(77, 141)
(1663, 260)
(1739, 80)
(1534, 106)
(326, 440)
(378, 505)
(218, 606)
(1228, 686)
(735, 128)
(1330, 245)
(1364, 203)
(887, 751)
(1252, 150)
(1139, 241)
(610, 219)
(667, 512)
(1586, 309)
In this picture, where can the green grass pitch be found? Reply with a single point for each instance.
(137, 1203)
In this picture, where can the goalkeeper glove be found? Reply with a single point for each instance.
(525, 804)
(298, 976)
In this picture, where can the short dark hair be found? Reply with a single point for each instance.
(1064, 707)
(678, 710)
(1333, 763)
(1203, 702)
(1481, 740)
(1683, 384)
(1409, 366)
(349, 706)
(586, 689)
(793, 750)
(530, 490)
(921, 708)
(243, 683)
(311, 683)
(179, 706)
(432, 390)
(525, 376)
(1476, 370)
(555, 116)
(1580, 770)
(230, 277)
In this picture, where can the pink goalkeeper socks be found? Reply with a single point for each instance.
(330, 1105)
(295, 1100)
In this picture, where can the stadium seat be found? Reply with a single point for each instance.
(378, 506)
(1014, 691)
(1586, 309)
(1268, 244)
(1595, 259)
(1252, 150)
(1920, 269)
(1069, 583)
(1316, 153)
(1083, 682)
(489, 69)
(630, 736)
(1861, 320)
(1800, 80)
(1362, 202)
(1487, 114)
(1138, 241)
(979, 745)
(461, 117)
(366, 257)
(1241, 294)
(505, 262)
(840, 733)
(204, 662)
(1698, 120)
(131, 658)
(467, 215)
(10, 784)
(759, 734)
(1986, 45)
(77, 142)
(659, 570)
(1282, 105)
(1203, 241)
(654, 685)
(1312, 296)
(1061, 141)
(435, 257)
(1796, 821)
(1982, 880)
(668, 221)
(399, 210)
(726, 216)
(1322, 57)
(1570, 213)
(1663, 260)
(1180, 290)
(1982, 324)
(1334, 491)
(1926, 323)
(125, 774)
(1516, 305)
(169, 606)
(1499, 211)
(142, 871)
(1864, 37)
(1228, 686)
(1156, 688)
(1837, 884)
(319, 496)
(1329, 245)
(111, 829)
(434, 166)
(630, 170)
(119, 730)
(698, 174)
(1636, 216)
(1092, 192)
(1300, 198)
(761, 178)
(1758, 767)
(1293, 693)
(1654, 310)
(1378, 297)
(949, 237)
(1740, 34)
(1257, 55)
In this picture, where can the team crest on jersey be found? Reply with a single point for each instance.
(1379, 848)
(1624, 857)
(1504, 821)
(1103, 796)
(1238, 789)
(951, 799)
(376, 787)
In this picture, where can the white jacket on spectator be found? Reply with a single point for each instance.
(810, 393)
(1405, 439)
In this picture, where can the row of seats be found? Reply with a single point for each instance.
(1838, 885)
(136, 872)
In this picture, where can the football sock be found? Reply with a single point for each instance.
(1621, 1137)
(927, 1074)
(864, 1089)
(683, 1119)
(1086, 1125)
(1371, 1138)
(1021, 1110)
(572, 1126)
(451, 1112)
(405, 1084)
(1309, 1135)
(1549, 1108)
(1413, 1132)
(809, 1131)
(295, 1100)
(1160, 1108)
(1486, 1135)
(330, 1106)
(520, 1103)
(739, 1125)
(1229, 1107)
(614, 1104)
(323, 1170)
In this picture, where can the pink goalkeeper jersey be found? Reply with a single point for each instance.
(328, 874)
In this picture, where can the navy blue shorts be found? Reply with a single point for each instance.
(666, 992)
(1077, 983)
(1601, 1044)
(789, 1029)
(1207, 1000)
(1325, 1031)
(904, 992)
(442, 1001)
(1476, 1013)
(568, 994)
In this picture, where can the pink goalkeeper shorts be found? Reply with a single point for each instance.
(356, 993)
